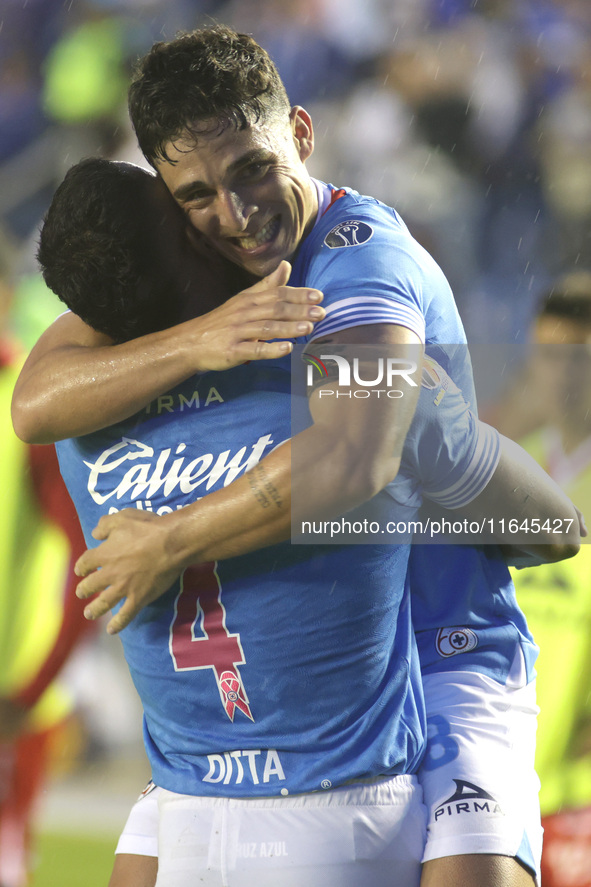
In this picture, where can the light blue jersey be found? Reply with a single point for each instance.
(371, 270)
(293, 668)
(465, 613)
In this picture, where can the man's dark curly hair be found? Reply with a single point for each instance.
(201, 82)
(100, 249)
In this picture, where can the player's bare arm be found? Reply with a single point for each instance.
(338, 463)
(133, 870)
(256, 511)
(521, 490)
(57, 394)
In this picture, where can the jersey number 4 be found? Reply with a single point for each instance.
(199, 637)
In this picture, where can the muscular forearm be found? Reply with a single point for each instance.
(77, 381)
(313, 478)
(75, 389)
(521, 494)
(253, 512)
(324, 471)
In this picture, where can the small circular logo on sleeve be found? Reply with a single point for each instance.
(351, 233)
(458, 639)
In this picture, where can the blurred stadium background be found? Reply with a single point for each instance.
(471, 117)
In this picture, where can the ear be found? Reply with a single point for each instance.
(303, 131)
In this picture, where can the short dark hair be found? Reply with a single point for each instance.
(209, 76)
(569, 297)
(99, 249)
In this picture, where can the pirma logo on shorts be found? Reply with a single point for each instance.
(468, 798)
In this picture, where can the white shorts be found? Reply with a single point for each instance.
(478, 777)
(140, 833)
(345, 837)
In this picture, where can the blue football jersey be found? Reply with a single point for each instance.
(449, 456)
(293, 668)
(371, 270)
(287, 670)
(466, 615)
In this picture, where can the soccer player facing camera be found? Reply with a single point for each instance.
(221, 134)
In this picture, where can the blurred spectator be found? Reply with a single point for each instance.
(86, 72)
(565, 145)
(472, 117)
(556, 598)
(311, 62)
(63, 81)
(40, 616)
(21, 117)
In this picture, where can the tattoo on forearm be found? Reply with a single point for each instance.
(264, 490)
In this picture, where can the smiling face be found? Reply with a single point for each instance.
(182, 273)
(248, 191)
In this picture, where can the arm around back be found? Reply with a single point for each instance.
(350, 451)
(522, 492)
(76, 380)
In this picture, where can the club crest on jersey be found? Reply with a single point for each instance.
(458, 639)
(351, 233)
